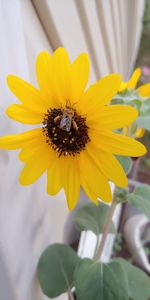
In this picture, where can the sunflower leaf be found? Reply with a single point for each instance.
(100, 281)
(120, 195)
(128, 97)
(145, 108)
(138, 281)
(137, 103)
(140, 199)
(126, 163)
(92, 217)
(56, 268)
(117, 100)
(144, 121)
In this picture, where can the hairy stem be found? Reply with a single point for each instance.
(106, 230)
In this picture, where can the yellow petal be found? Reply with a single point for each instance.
(88, 191)
(100, 93)
(20, 113)
(125, 130)
(71, 181)
(16, 141)
(79, 76)
(144, 90)
(36, 165)
(63, 172)
(123, 86)
(44, 71)
(134, 78)
(139, 132)
(61, 72)
(27, 94)
(94, 183)
(29, 149)
(117, 143)
(108, 165)
(112, 117)
(54, 177)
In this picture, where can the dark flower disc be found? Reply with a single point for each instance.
(66, 131)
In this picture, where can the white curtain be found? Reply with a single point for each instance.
(26, 213)
(109, 30)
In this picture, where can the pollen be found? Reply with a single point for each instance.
(66, 131)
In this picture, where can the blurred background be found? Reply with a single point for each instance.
(116, 35)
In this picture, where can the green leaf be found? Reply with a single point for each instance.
(138, 281)
(97, 281)
(137, 103)
(126, 163)
(140, 199)
(92, 217)
(145, 108)
(144, 122)
(120, 194)
(56, 268)
(117, 100)
(143, 190)
(126, 99)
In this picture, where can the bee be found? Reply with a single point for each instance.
(67, 119)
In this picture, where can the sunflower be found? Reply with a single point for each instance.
(143, 90)
(74, 142)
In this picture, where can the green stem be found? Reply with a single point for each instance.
(97, 244)
(106, 230)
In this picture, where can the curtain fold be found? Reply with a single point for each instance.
(108, 30)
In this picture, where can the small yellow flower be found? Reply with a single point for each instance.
(74, 142)
(144, 90)
(139, 133)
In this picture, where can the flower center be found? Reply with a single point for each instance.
(66, 131)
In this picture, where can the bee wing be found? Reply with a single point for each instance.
(68, 125)
(63, 122)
